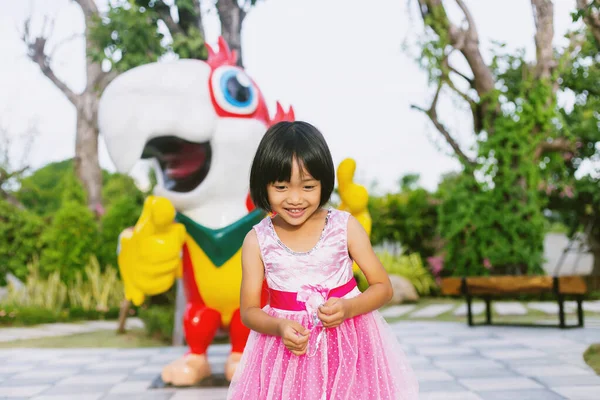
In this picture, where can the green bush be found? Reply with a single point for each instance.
(70, 241)
(96, 290)
(409, 217)
(80, 313)
(12, 315)
(159, 321)
(19, 243)
(92, 295)
(44, 293)
(55, 193)
(410, 267)
(487, 234)
(118, 186)
(40, 192)
(24, 316)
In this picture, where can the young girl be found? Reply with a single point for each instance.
(319, 337)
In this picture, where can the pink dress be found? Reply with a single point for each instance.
(359, 360)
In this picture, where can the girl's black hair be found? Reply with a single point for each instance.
(276, 151)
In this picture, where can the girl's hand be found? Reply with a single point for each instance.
(295, 336)
(334, 312)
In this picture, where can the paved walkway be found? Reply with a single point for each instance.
(451, 360)
(420, 311)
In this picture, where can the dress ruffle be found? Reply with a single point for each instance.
(359, 360)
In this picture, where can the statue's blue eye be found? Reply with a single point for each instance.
(237, 88)
(234, 91)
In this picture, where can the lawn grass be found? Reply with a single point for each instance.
(592, 357)
(99, 339)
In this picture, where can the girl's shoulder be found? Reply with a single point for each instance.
(264, 229)
(340, 217)
(263, 224)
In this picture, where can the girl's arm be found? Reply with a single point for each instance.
(380, 288)
(252, 280)
(294, 335)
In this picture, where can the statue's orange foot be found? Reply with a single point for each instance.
(230, 366)
(187, 370)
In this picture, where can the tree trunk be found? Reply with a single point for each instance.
(123, 312)
(231, 16)
(593, 279)
(594, 243)
(87, 165)
(591, 18)
(596, 269)
(543, 16)
(9, 198)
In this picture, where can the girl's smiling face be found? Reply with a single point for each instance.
(297, 200)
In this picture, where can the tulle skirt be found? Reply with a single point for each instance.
(359, 360)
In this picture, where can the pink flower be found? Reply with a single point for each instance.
(568, 191)
(99, 209)
(487, 264)
(567, 156)
(436, 265)
(313, 296)
(314, 301)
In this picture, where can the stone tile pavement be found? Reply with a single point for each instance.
(451, 360)
(428, 311)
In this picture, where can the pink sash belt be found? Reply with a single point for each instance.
(296, 301)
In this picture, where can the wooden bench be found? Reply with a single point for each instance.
(504, 286)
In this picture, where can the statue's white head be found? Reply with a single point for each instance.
(199, 121)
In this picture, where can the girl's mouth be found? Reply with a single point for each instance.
(295, 212)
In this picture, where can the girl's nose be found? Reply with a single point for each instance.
(294, 197)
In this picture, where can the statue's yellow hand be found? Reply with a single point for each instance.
(355, 197)
(150, 253)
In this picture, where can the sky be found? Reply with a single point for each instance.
(347, 66)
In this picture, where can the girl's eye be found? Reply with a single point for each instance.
(309, 187)
(279, 187)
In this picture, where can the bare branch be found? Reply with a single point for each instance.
(5, 175)
(105, 79)
(467, 42)
(472, 30)
(8, 175)
(457, 72)
(446, 78)
(543, 15)
(591, 18)
(36, 52)
(432, 114)
(165, 15)
(436, 97)
(88, 7)
(231, 16)
(63, 42)
(559, 144)
(11, 199)
(198, 12)
(568, 57)
(463, 95)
